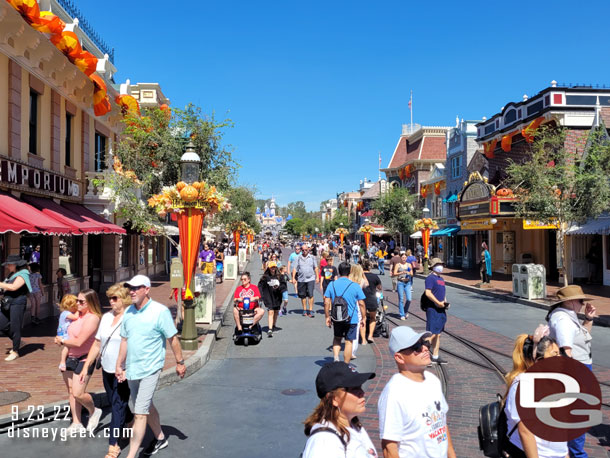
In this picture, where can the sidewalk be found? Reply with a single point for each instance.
(36, 377)
(502, 287)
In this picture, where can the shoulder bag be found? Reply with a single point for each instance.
(98, 361)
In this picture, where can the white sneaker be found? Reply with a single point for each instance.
(94, 419)
(74, 429)
(12, 356)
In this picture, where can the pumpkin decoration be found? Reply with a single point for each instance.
(504, 192)
(180, 185)
(196, 185)
(189, 193)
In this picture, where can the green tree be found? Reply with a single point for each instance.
(294, 226)
(556, 185)
(395, 210)
(340, 218)
(243, 208)
(297, 209)
(147, 157)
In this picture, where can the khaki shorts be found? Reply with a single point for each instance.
(142, 392)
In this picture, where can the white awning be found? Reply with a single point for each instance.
(416, 235)
(171, 230)
(599, 225)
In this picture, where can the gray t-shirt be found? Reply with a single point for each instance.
(306, 268)
(568, 332)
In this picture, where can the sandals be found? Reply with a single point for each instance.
(113, 451)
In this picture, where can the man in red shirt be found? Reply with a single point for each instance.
(251, 294)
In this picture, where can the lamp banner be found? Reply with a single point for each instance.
(367, 239)
(425, 236)
(236, 239)
(341, 235)
(190, 223)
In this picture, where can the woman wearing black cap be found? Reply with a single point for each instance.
(16, 288)
(333, 428)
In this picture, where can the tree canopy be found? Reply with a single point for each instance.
(395, 209)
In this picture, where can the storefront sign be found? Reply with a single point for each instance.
(477, 190)
(534, 224)
(474, 209)
(18, 175)
(477, 224)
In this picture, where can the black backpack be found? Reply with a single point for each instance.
(339, 312)
(425, 302)
(326, 429)
(493, 429)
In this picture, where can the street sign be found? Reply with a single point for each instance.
(176, 274)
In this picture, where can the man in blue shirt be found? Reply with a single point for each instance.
(436, 314)
(146, 326)
(354, 296)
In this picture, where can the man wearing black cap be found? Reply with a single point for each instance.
(412, 407)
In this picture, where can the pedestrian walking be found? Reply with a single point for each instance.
(206, 260)
(81, 335)
(412, 407)
(573, 337)
(16, 288)
(485, 264)
(333, 428)
(380, 255)
(106, 347)
(36, 294)
(356, 274)
(395, 259)
(436, 312)
(521, 441)
(419, 253)
(292, 261)
(146, 327)
(370, 300)
(403, 272)
(272, 287)
(328, 273)
(220, 260)
(305, 275)
(355, 252)
(343, 293)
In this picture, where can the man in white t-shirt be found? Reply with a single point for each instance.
(412, 407)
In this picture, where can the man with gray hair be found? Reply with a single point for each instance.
(305, 274)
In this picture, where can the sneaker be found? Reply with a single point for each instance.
(304, 313)
(155, 446)
(94, 419)
(269, 333)
(402, 318)
(12, 356)
(281, 313)
(312, 314)
(285, 311)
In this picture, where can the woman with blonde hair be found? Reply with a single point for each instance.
(521, 441)
(106, 346)
(333, 428)
(81, 335)
(356, 274)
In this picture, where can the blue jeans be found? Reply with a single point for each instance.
(577, 446)
(355, 259)
(404, 288)
(118, 397)
(381, 266)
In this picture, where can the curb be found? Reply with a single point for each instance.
(599, 321)
(168, 377)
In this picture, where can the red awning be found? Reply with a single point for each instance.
(368, 213)
(50, 208)
(31, 218)
(10, 224)
(93, 218)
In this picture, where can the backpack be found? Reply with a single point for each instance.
(492, 429)
(339, 312)
(425, 302)
(326, 429)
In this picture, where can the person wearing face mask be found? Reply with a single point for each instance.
(436, 315)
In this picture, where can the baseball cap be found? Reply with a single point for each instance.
(404, 337)
(272, 264)
(339, 375)
(138, 280)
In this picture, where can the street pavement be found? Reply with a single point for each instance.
(252, 401)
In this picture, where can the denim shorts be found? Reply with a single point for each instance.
(285, 296)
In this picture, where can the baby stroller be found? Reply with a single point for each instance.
(250, 332)
(381, 322)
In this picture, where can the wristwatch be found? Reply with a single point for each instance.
(588, 319)
(180, 363)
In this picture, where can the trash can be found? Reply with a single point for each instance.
(533, 281)
(205, 303)
(516, 269)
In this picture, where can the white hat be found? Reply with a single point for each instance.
(404, 337)
(138, 280)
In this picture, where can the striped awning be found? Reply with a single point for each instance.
(599, 225)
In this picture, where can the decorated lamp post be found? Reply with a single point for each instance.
(341, 232)
(367, 230)
(237, 228)
(425, 225)
(192, 200)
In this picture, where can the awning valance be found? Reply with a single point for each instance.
(599, 225)
(90, 216)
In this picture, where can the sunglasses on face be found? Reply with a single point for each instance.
(419, 346)
(113, 298)
(81, 301)
(134, 288)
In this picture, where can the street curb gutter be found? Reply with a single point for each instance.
(55, 410)
(600, 321)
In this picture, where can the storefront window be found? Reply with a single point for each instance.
(34, 248)
(70, 248)
(3, 253)
(124, 250)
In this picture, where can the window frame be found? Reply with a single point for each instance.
(101, 148)
(33, 122)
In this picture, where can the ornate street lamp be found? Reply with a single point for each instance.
(425, 225)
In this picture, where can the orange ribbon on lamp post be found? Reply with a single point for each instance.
(367, 230)
(341, 232)
(425, 225)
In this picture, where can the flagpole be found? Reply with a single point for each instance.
(411, 108)
(379, 169)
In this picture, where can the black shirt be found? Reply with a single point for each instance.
(329, 273)
(370, 292)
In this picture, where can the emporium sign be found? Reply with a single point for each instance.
(24, 177)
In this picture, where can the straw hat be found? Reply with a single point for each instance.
(435, 261)
(569, 293)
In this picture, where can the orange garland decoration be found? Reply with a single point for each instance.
(190, 222)
(489, 148)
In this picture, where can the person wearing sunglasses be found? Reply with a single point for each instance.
(106, 346)
(412, 407)
(333, 428)
(573, 337)
(247, 296)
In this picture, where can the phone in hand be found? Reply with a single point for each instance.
(447, 304)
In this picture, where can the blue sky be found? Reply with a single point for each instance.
(317, 89)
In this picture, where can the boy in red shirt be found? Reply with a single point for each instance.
(251, 295)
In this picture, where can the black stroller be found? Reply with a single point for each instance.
(381, 322)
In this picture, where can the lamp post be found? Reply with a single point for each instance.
(189, 163)
(425, 235)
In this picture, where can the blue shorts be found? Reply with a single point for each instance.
(346, 330)
(435, 320)
(285, 296)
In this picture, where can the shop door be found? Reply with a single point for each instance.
(95, 262)
(552, 273)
